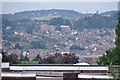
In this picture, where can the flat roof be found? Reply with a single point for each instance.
(48, 77)
(55, 65)
(18, 74)
(5, 65)
(95, 76)
(64, 26)
(58, 68)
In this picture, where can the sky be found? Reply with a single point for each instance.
(83, 7)
(59, 0)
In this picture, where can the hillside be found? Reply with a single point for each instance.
(109, 13)
(75, 19)
(41, 31)
(45, 14)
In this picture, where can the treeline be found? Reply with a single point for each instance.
(57, 58)
(44, 13)
(96, 21)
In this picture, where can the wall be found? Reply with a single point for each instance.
(18, 78)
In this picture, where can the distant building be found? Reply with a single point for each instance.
(65, 28)
(47, 28)
(51, 28)
(8, 27)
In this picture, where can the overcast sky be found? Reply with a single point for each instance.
(83, 7)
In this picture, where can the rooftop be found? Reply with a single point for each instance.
(95, 76)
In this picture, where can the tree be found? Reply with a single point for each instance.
(117, 39)
(5, 22)
(67, 22)
(37, 58)
(13, 58)
(38, 44)
(109, 58)
(75, 47)
(58, 58)
(48, 60)
(4, 56)
(112, 55)
(23, 57)
(17, 46)
(56, 21)
(26, 58)
(70, 58)
(29, 30)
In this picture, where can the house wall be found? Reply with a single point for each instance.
(18, 78)
(74, 76)
(86, 79)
